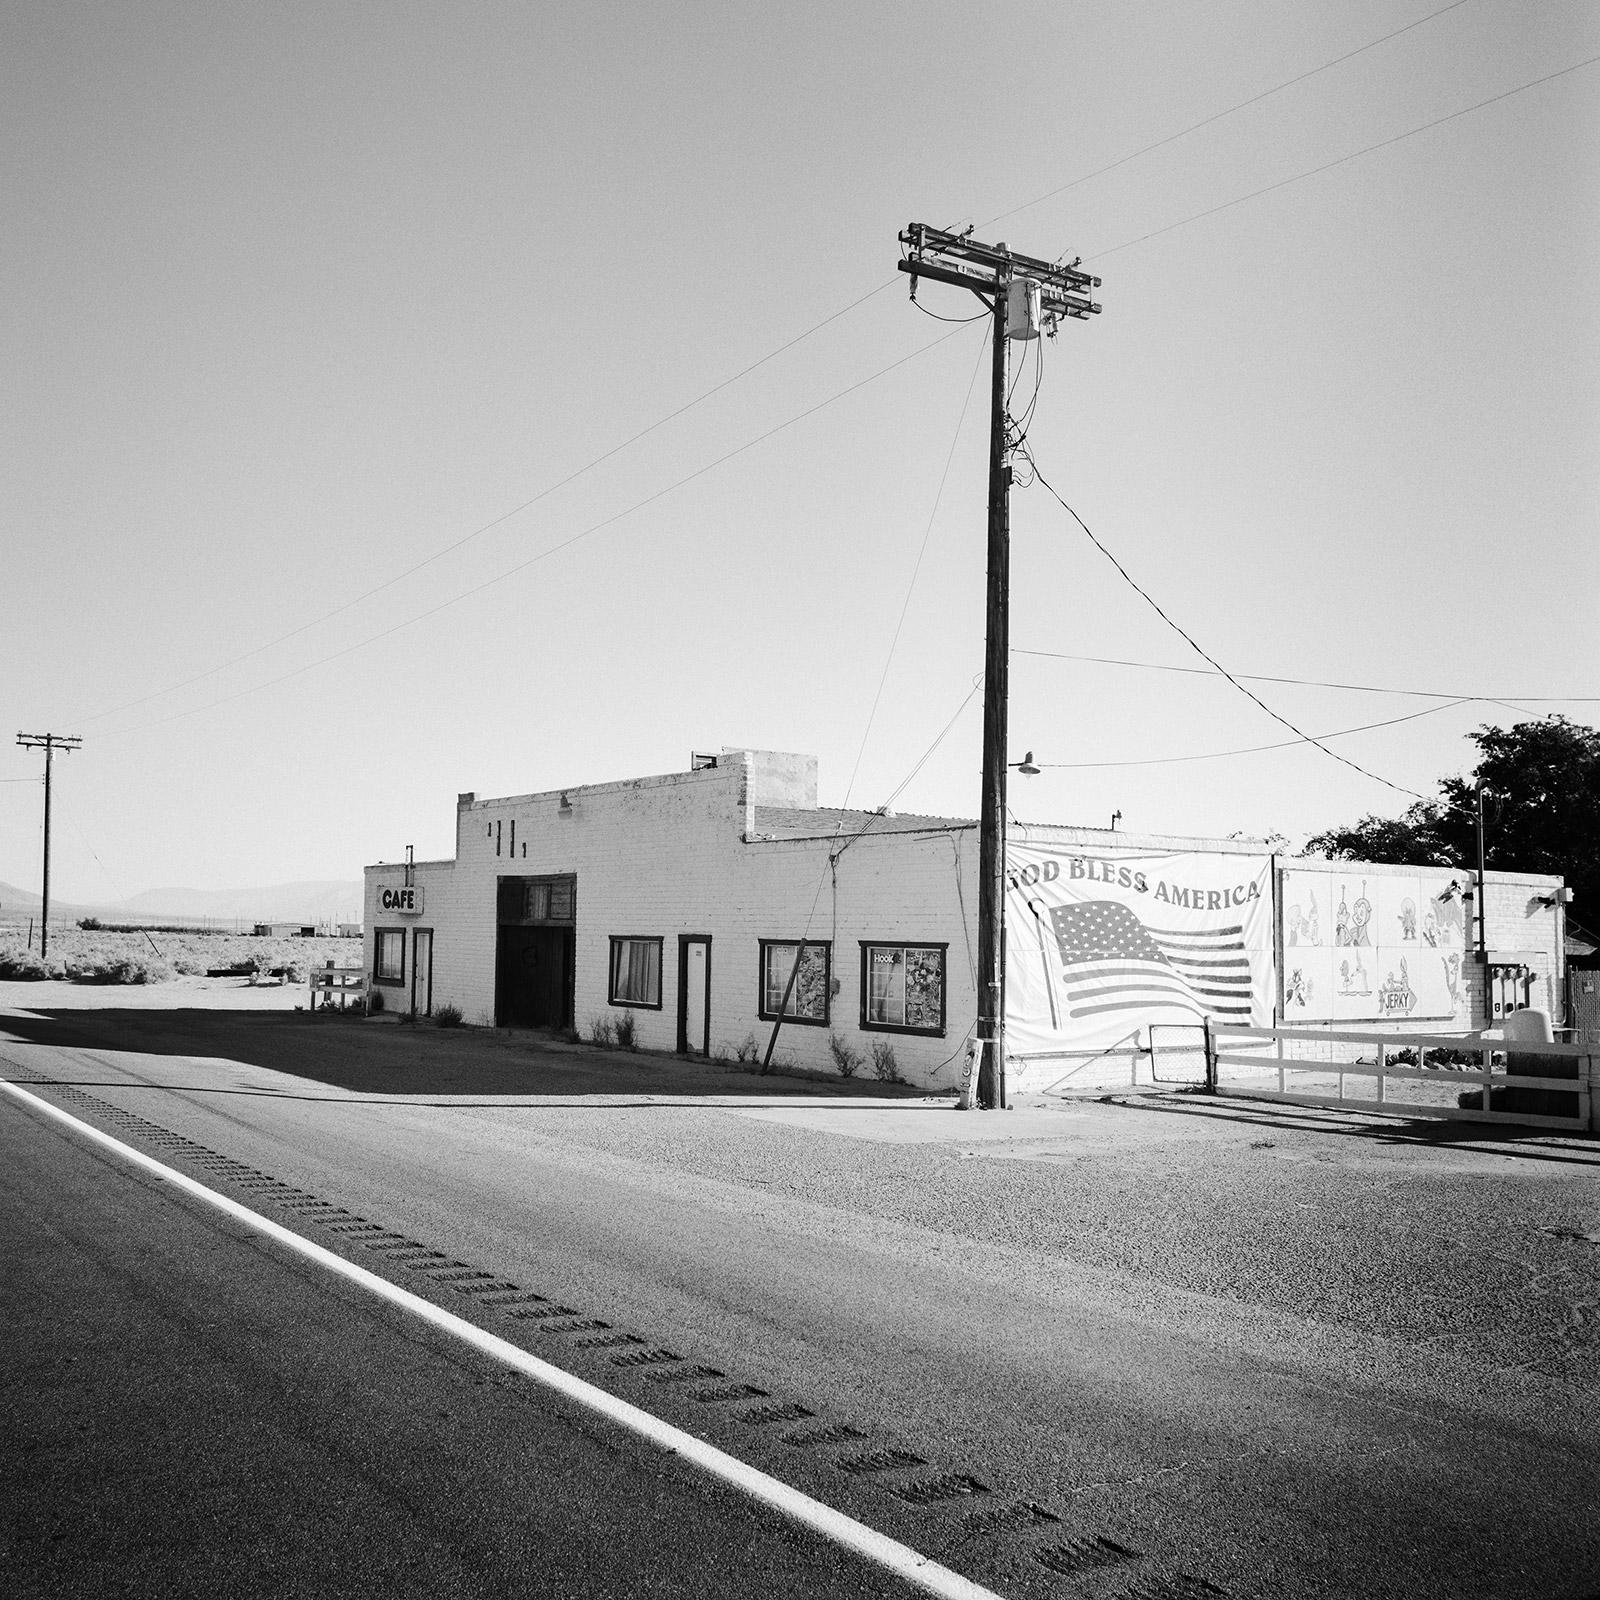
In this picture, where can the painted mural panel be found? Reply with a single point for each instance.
(1100, 946)
(1369, 949)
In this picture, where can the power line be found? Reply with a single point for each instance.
(1255, 749)
(1299, 733)
(505, 516)
(1217, 116)
(1355, 155)
(1313, 683)
(522, 566)
(905, 605)
(905, 782)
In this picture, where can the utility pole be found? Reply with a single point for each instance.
(1026, 296)
(49, 743)
(1483, 943)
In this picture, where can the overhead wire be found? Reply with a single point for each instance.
(1217, 116)
(1309, 683)
(1255, 749)
(1328, 166)
(1127, 577)
(883, 810)
(916, 568)
(743, 372)
(503, 517)
(542, 555)
(717, 388)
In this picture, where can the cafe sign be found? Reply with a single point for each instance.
(406, 899)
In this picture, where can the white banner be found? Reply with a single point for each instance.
(1099, 946)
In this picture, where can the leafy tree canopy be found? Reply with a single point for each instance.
(1541, 784)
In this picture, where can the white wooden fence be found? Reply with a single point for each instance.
(349, 983)
(1258, 1063)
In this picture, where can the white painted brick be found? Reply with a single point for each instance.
(664, 856)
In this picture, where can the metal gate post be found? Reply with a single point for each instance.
(1211, 1059)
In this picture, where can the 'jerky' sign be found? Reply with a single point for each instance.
(404, 898)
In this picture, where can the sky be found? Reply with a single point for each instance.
(409, 399)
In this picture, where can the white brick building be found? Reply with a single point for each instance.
(681, 901)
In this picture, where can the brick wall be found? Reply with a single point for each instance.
(664, 856)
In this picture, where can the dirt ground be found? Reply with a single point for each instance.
(268, 1026)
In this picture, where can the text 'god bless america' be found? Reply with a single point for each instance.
(1087, 869)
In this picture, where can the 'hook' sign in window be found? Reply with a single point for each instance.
(404, 898)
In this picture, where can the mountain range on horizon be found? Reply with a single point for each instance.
(321, 900)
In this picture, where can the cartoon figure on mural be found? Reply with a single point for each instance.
(1452, 977)
(1297, 990)
(1301, 926)
(1408, 921)
(1360, 916)
(1354, 981)
(1449, 918)
(1396, 998)
(1341, 921)
(1430, 930)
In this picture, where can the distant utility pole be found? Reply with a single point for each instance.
(49, 743)
(1027, 297)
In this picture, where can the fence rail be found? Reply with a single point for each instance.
(349, 983)
(1502, 1075)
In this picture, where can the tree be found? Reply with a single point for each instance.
(1541, 783)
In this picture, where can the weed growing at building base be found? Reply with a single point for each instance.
(846, 1058)
(884, 1065)
(627, 1032)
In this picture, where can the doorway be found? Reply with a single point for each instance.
(694, 994)
(422, 972)
(535, 961)
(534, 978)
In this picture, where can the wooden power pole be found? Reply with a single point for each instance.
(1027, 297)
(49, 743)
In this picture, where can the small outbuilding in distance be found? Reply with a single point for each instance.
(714, 903)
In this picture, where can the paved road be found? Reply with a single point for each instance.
(189, 1411)
(1122, 1351)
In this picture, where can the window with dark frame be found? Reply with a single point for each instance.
(810, 993)
(544, 900)
(389, 961)
(902, 987)
(635, 971)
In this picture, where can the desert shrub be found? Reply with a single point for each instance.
(884, 1065)
(846, 1058)
(447, 1017)
(23, 966)
(90, 924)
(627, 1031)
(375, 1001)
(747, 1049)
(102, 968)
(601, 1033)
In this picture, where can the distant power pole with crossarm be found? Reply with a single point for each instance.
(1027, 297)
(49, 743)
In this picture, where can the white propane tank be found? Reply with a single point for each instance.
(1022, 309)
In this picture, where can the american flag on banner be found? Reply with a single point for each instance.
(1111, 961)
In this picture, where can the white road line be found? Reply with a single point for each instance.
(898, 1558)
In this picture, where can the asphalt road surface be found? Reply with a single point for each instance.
(1163, 1350)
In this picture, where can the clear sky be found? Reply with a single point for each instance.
(300, 296)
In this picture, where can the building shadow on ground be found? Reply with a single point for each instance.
(383, 1056)
(1498, 1138)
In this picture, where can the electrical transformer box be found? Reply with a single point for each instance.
(1022, 309)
